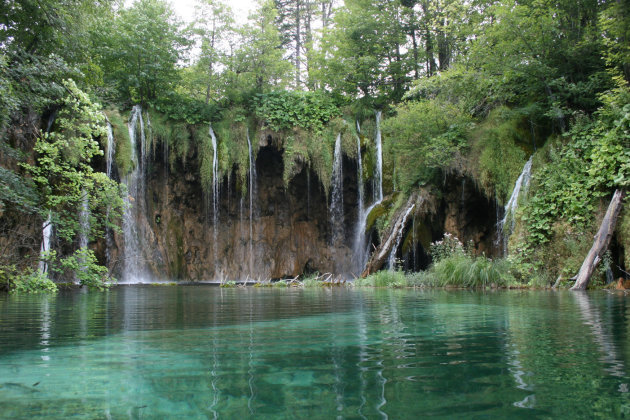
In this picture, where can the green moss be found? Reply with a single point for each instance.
(497, 157)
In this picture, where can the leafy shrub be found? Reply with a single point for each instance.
(288, 109)
(448, 246)
(425, 136)
(84, 266)
(33, 282)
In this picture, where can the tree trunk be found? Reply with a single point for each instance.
(601, 242)
(381, 254)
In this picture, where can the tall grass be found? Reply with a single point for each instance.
(383, 278)
(462, 270)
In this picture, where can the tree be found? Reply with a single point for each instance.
(362, 55)
(63, 172)
(141, 50)
(257, 66)
(215, 27)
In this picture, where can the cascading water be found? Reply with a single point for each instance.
(111, 148)
(215, 196)
(359, 231)
(109, 162)
(336, 200)
(522, 183)
(45, 247)
(378, 174)
(252, 193)
(84, 223)
(399, 235)
(134, 266)
(361, 249)
(359, 175)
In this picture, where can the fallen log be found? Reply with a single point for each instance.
(382, 252)
(601, 241)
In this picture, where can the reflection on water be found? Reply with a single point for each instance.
(207, 352)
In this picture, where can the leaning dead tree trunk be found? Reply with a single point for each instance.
(601, 242)
(381, 254)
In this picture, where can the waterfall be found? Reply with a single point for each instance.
(510, 208)
(215, 196)
(109, 161)
(378, 174)
(134, 267)
(84, 231)
(45, 247)
(361, 249)
(252, 192)
(111, 148)
(359, 175)
(359, 230)
(399, 235)
(336, 200)
(84, 221)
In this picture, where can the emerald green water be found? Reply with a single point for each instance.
(206, 352)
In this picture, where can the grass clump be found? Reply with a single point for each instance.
(455, 266)
(462, 270)
(312, 281)
(385, 278)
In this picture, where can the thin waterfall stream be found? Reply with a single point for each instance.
(252, 193)
(215, 198)
(336, 200)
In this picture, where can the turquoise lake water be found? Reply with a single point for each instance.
(206, 352)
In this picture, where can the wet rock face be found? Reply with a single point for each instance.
(469, 215)
(289, 227)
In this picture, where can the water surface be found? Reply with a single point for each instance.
(206, 352)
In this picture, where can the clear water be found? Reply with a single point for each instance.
(206, 352)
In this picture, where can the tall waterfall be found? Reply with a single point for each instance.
(45, 247)
(111, 149)
(359, 175)
(378, 174)
(359, 229)
(399, 235)
(522, 183)
(84, 221)
(84, 231)
(336, 200)
(215, 195)
(252, 193)
(134, 266)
